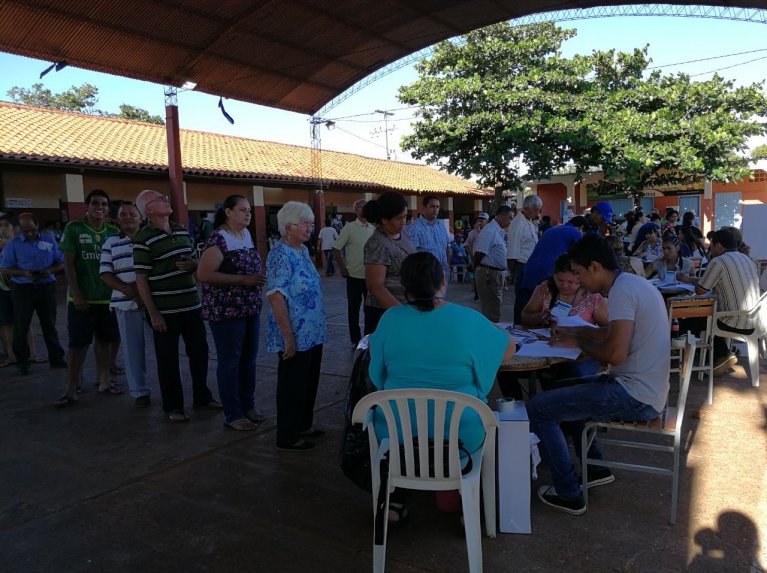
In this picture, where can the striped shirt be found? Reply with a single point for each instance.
(430, 237)
(117, 258)
(732, 276)
(155, 253)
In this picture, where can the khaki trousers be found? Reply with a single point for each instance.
(490, 290)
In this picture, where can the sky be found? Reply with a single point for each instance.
(360, 130)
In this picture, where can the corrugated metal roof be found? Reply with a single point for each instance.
(289, 54)
(35, 134)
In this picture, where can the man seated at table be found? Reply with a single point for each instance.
(734, 278)
(635, 344)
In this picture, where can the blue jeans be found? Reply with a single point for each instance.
(237, 346)
(134, 331)
(330, 269)
(599, 398)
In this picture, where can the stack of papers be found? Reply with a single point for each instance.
(573, 321)
(521, 336)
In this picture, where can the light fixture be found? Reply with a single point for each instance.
(188, 85)
(330, 124)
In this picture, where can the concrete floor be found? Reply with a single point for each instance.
(102, 486)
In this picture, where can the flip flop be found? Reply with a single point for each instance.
(5, 363)
(111, 390)
(65, 401)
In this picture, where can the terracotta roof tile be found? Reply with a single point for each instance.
(31, 133)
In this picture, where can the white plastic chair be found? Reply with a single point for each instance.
(412, 473)
(755, 342)
(669, 424)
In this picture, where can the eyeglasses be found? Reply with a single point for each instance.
(163, 198)
(305, 225)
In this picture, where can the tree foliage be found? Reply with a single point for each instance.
(759, 152)
(505, 96)
(81, 99)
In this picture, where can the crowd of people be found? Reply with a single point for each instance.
(138, 279)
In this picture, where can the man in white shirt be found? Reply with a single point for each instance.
(326, 238)
(522, 237)
(489, 259)
(635, 344)
(352, 241)
(733, 277)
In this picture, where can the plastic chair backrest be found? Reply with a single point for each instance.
(396, 405)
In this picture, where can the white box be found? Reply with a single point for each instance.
(513, 464)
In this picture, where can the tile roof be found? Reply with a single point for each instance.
(52, 136)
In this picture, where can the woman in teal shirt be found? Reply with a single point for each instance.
(430, 343)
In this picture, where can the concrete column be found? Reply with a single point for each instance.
(477, 209)
(583, 199)
(570, 185)
(368, 196)
(449, 212)
(175, 170)
(258, 221)
(73, 196)
(412, 205)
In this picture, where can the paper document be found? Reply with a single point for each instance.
(543, 349)
(519, 335)
(542, 332)
(573, 321)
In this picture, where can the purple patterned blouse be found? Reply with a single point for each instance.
(230, 302)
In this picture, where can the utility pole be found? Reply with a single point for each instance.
(386, 115)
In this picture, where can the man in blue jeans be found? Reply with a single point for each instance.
(636, 344)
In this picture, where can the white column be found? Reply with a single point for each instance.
(257, 196)
(412, 202)
(74, 191)
(368, 197)
(450, 204)
(478, 205)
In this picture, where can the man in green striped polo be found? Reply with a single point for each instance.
(162, 257)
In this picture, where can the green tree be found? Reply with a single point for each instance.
(81, 99)
(500, 97)
(138, 114)
(759, 152)
(505, 96)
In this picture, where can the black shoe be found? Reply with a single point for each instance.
(598, 475)
(210, 405)
(299, 446)
(255, 416)
(548, 495)
(143, 401)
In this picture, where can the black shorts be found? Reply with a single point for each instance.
(98, 320)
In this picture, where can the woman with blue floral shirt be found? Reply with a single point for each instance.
(296, 329)
(230, 270)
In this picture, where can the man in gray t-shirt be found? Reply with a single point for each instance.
(636, 344)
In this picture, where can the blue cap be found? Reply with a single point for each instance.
(605, 209)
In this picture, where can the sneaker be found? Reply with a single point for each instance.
(548, 495)
(143, 401)
(722, 365)
(598, 475)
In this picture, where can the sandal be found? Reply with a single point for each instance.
(177, 417)
(65, 401)
(241, 425)
(111, 390)
(400, 511)
(38, 360)
(5, 363)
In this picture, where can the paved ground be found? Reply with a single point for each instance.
(105, 487)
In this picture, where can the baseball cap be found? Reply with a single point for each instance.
(605, 209)
(484, 216)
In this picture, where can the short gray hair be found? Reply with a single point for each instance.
(143, 199)
(359, 204)
(532, 201)
(292, 213)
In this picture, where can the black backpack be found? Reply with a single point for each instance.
(354, 457)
